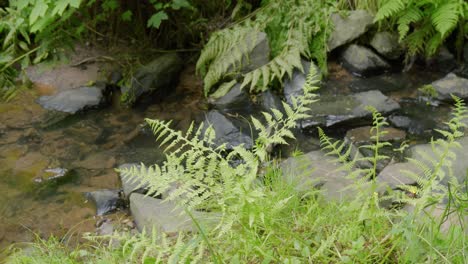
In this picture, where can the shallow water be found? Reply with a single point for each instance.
(94, 143)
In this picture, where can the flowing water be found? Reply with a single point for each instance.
(94, 143)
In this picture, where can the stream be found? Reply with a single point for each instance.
(90, 145)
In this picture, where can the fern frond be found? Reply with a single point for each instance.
(445, 17)
(389, 9)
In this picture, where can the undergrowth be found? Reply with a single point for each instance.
(263, 218)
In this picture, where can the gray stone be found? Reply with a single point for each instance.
(73, 100)
(316, 170)
(386, 44)
(226, 131)
(269, 100)
(459, 165)
(349, 28)
(362, 61)
(451, 84)
(106, 201)
(131, 185)
(394, 176)
(165, 216)
(400, 121)
(235, 98)
(160, 75)
(294, 86)
(331, 110)
(259, 54)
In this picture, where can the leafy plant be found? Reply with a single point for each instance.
(294, 29)
(424, 25)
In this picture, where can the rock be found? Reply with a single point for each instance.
(459, 165)
(100, 160)
(294, 86)
(234, 99)
(347, 29)
(362, 61)
(269, 100)
(393, 176)
(386, 44)
(150, 213)
(331, 110)
(226, 131)
(259, 54)
(130, 186)
(400, 121)
(74, 100)
(451, 84)
(316, 170)
(363, 134)
(105, 228)
(159, 75)
(54, 174)
(443, 61)
(106, 201)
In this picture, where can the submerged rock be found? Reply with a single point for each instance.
(384, 83)
(363, 134)
(346, 29)
(294, 86)
(331, 110)
(451, 84)
(74, 100)
(159, 75)
(316, 170)
(386, 44)
(226, 131)
(165, 216)
(52, 175)
(363, 61)
(106, 201)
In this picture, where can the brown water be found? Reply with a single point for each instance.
(91, 144)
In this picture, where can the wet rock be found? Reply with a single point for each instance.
(346, 29)
(363, 134)
(384, 83)
(331, 110)
(394, 176)
(259, 54)
(159, 75)
(106, 201)
(269, 100)
(451, 84)
(386, 44)
(54, 174)
(459, 164)
(316, 170)
(400, 121)
(74, 100)
(362, 61)
(150, 213)
(443, 61)
(130, 186)
(234, 99)
(294, 86)
(226, 131)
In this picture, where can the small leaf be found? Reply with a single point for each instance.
(156, 19)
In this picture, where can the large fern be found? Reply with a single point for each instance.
(294, 29)
(424, 25)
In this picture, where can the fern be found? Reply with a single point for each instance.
(294, 30)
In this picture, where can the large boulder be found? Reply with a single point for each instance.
(346, 29)
(451, 84)
(331, 110)
(362, 61)
(386, 44)
(73, 100)
(294, 86)
(317, 170)
(160, 75)
(165, 216)
(227, 132)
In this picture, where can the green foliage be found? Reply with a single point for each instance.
(424, 25)
(294, 29)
